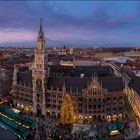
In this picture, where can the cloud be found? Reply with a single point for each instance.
(16, 35)
(97, 21)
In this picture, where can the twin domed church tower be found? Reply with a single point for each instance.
(39, 74)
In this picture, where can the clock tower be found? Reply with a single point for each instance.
(39, 74)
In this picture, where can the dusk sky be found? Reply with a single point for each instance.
(93, 21)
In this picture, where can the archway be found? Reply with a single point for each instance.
(114, 117)
(94, 117)
(90, 119)
(99, 117)
(108, 117)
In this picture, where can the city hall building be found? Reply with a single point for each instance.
(39, 88)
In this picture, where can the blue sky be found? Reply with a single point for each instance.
(90, 21)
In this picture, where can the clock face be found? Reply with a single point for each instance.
(39, 83)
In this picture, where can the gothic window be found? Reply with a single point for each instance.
(90, 100)
(54, 96)
(93, 93)
(80, 99)
(99, 100)
(60, 102)
(48, 105)
(60, 96)
(39, 83)
(108, 109)
(80, 104)
(58, 107)
(90, 106)
(114, 98)
(94, 106)
(120, 108)
(54, 101)
(99, 106)
(54, 106)
(94, 100)
(108, 99)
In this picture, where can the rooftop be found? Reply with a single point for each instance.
(17, 124)
(135, 84)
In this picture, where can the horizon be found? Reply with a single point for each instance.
(91, 22)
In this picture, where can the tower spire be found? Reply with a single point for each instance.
(41, 33)
(41, 27)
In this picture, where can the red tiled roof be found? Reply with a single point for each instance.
(126, 71)
(132, 63)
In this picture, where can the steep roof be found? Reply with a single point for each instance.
(73, 81)
(86, 70)
(25, 77)
(76, 83)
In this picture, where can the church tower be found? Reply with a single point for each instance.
(39, 74)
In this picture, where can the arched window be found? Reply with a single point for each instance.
(99, 100)
(99, 106)
(114, 98)
(94, 106)
(90, 106)
(90, 100)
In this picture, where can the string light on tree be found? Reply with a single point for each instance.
(67, 112)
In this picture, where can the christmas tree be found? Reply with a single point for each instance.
(67, 113)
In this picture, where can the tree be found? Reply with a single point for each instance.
(67, 112)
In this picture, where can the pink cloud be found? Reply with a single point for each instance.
(121, 20)
(16, 35)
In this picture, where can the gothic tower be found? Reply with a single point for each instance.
(39, 74)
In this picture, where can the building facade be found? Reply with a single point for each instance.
(132, 91)
(83, 61)
(38, 88)
(4, 83)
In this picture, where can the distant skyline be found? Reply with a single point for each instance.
(99, 22)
